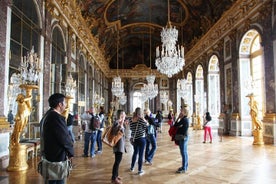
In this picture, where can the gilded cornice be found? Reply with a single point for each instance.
(68, 10)
(234, 17)
(138, 71)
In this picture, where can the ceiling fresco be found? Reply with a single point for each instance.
(132, 28)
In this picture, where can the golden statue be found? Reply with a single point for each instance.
(18, 153)
(24, 110)
(110, 114)
(257, 124)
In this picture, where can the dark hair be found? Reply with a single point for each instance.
(55, 99)
(119, 112)
(208, 117)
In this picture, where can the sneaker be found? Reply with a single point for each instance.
(148, 163)
(204, 142)
(92, 156)
(98, 152)
(140, 173)
(180, 170)
(84, 155)
(131, 169)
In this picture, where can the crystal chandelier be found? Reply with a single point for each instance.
(70, 86)
(117, 86)
(30, 68)
(122, 99)
(150, 90)
(169, 58)
(98, 100)
(182, 87)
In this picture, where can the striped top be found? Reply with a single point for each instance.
(139, 127)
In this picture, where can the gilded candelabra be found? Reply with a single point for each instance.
(29, 74)
(70, 89)
(18, 153)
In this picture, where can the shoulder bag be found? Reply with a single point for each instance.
(132, 139)
(110, 137)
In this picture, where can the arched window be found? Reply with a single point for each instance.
(190, 92)
(200, 97)
(251, 66)
(58, 69)
(213, 87)
(137, 95)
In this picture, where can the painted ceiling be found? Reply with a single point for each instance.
(132, 28)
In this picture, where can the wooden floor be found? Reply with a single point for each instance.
(234, 160)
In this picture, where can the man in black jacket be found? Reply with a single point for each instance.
(57, 143)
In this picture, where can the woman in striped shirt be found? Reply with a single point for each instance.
(138, 127)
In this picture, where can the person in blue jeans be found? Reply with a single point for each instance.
(182, 123)
(138, 126)
(151, 137)
(100, 131)
(89, 135)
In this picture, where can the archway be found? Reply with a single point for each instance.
(251, 67)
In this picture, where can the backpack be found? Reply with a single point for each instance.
(95, 123)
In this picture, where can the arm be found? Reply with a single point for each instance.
(63, 137)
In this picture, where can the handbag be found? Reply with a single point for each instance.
(132, 139)
(179, 137)
(54, 170)
(110, 137)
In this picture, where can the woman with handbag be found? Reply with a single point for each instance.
(181, 138)
(138, 127)
(119, 148)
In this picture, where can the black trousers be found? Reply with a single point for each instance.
(115, 170)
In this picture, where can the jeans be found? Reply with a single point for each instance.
(99, 140)
(209, 130)
(55, 181)
(183, 144)
(89, 137)
(70, 130)
(115, 170)
(139, 146)
(150, 142)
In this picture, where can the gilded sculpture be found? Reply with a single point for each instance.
(24, 110)
(256, 123)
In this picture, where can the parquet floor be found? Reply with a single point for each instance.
(234, 160)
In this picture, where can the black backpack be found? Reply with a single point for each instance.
(95, 123)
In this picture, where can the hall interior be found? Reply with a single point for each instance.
(228, 160)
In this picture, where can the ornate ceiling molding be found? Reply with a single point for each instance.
(232, 19)
(71, 14)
